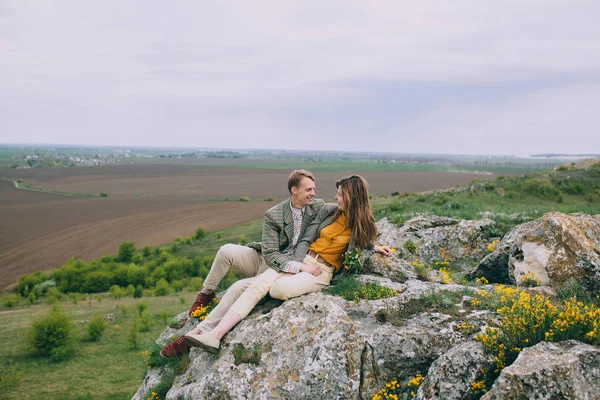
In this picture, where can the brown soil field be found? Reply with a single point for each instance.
(149, 205)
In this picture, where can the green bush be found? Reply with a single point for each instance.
(97, 282)
(575, 188)
(11, 300)
(244, 198)
(141, 307)
(138, 292)
(540, 187)
(162, 288)
(52, 335)
(200, 233)
(134, 338)
(144, 323)
(126, 251)
(147, 251)
(96, 327)
(116, 292)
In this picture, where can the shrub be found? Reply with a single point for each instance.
(96, 327)
(103, 194)
(243, 240)
(97, 281)
(138, 292)
(540, 187)
(244, 198)
(162, 288)
(200, 233)
(134, 338)
(421, 199)
(146, 251)
(11, 300)
(575, 188)
(116, 292)
(141, 307)
(440, 200)
(144, 323)
(52, 335)
(126, 251)
(269, 199)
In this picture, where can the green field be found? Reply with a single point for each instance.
(105, 369)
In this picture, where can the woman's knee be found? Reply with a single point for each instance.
(279, 291)
(227, 251)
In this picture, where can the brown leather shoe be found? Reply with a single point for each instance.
(176, 348)
(201, 301)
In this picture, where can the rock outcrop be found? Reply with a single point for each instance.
(432, 239)
(322, 346)
(554, 249)
(565, 370)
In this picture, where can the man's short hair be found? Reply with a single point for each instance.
(296, 176)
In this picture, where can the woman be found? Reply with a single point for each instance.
(337, 228)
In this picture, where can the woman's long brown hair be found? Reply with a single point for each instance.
(359, 218)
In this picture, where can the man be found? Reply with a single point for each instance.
(284, 224)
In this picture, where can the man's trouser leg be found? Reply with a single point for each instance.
(244, 259)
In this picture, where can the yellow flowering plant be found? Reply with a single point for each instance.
(353, 263)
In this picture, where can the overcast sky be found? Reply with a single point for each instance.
(427, 76)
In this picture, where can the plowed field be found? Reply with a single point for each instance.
(150, 204)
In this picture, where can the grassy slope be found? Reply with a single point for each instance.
(522, 194)
(106, 369)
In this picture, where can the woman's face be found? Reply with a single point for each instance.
(340, 199)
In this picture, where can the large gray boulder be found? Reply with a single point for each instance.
(548, 371)
(432, 239)
(556, 249)
(451, 375)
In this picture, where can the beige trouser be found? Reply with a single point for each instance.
(301, 283)
(245, 259)
(242, 296)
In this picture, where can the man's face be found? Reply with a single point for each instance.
(304, 193)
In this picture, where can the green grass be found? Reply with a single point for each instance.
(105, 369)
(533, 195)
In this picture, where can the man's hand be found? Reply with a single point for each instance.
(311, 269)
(385, 250)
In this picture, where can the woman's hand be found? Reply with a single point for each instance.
(385, 250)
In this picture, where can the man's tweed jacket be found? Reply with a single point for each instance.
(278, 232)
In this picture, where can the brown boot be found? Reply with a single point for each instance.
(201, 301)
(176, 348)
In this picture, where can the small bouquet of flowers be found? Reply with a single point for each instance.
(353, 264)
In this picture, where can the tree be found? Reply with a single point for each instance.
(126, 251)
